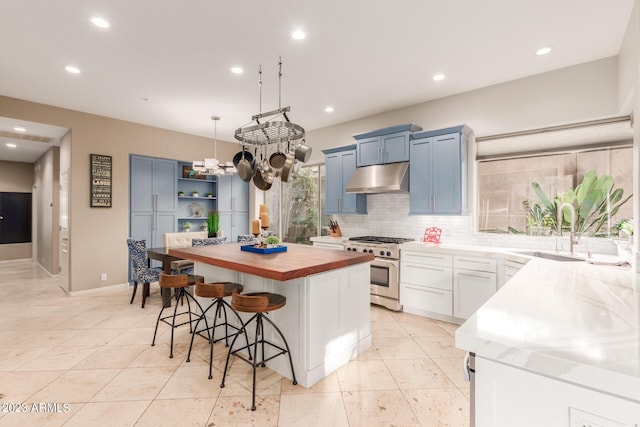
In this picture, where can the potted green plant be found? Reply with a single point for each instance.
(195, 194)
(209, 194)
(594, 201)
(186, 226)
(180, 193)
(271, 241)
(213, 223)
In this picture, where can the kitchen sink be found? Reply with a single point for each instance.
(553, 257)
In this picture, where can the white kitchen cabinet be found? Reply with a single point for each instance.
(426, 283)
(510, 269)
(474, 282)
(507, 396)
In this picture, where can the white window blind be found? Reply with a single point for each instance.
(609, 132)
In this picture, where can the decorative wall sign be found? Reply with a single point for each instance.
(100, 166)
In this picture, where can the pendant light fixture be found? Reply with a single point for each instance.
(213, 166)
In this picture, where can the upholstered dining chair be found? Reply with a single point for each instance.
(142, 273)
(208, 241)
(245, 238)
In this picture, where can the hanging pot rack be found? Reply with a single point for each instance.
(274, 130)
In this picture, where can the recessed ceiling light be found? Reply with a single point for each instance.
(72, 69)
(438, 77)
(543, 51)
(100, 22)
(298, 34)
(20, 129)
(10, 145)
(328, 109)
(237, 70)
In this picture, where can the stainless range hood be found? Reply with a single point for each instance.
(389, 178)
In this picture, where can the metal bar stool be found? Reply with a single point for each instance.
(259, 303)
(217, 291)
(179, 283)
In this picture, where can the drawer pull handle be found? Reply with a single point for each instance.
(426, 290)
(429, 256)
(474, 261)
(425, 268)
(474, 275)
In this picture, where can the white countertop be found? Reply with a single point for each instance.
(571, 321)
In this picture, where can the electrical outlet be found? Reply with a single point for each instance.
(103, 276)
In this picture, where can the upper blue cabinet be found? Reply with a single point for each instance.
(340, 164)
(438, 171)
(388, 145)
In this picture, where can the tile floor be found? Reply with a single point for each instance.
(90, 355)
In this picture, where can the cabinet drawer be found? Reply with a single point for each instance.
(426, 298)
(427, 275)
(475, 263)
(427, 258)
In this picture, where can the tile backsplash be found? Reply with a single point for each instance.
(389, 216)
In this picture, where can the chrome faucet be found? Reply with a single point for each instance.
(572, 238)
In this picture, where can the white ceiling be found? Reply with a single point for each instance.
(166, 63)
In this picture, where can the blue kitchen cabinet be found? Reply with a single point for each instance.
(438, 171)
(153, 204)
(388, 145)
(340, 164)
(233, 205)
(194, 209)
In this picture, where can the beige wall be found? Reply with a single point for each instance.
(571, 94)
(16, 177)
(98, 235)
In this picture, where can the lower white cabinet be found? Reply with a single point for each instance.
(426, 283)
(445, 286)
(471, 289)
(510, 270)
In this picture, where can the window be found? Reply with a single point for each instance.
(299, 203)
(504, 184)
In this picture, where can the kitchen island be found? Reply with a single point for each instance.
(558, 345)
(326, 320)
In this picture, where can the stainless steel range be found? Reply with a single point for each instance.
(385, 268)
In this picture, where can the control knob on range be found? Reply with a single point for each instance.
(388, 253)
(382, 253)
(370, 251)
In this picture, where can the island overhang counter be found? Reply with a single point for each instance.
(326, 320)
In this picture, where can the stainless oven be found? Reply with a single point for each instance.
(385, 268)
(385, 286)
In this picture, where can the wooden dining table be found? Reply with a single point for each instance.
(162, 254)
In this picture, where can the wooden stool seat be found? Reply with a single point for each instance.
(258, 302)
(179, 280)
(218, 290)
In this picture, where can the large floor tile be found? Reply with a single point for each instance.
(387, 329)
(189, 382)
(398, 348)
(316, 409)
(17, 386)
(378, 408)
(135, 384)
(108, 414)
(236, 411)
(108, 357)
(75, 386)
(58, 358)
(454, 369)
(439, 347)
(12, 358)
(417, 373)
(422, 328)
(328, 384)
(177, 412)
(439, 407)
(365, 375)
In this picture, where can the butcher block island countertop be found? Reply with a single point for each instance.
(298, 261)
(326, 319)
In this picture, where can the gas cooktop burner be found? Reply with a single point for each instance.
(378, 239)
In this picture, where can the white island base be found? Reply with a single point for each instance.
(326, 320)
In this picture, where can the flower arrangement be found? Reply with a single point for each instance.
(186, 226)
